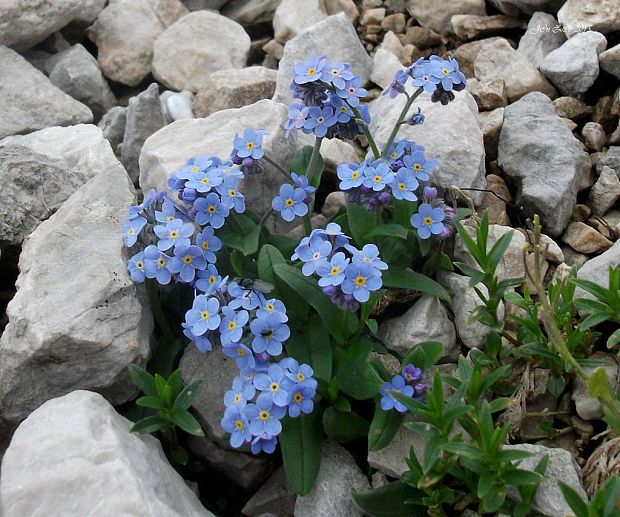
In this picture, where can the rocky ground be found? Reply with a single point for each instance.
(101, 98)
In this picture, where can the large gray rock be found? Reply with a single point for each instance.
(540, 38)
(605, 192)
(173, 145)
(451, 134)
(77, 319)
(112, 124)
(498, 60)
(542, 157)
(336, 38)
(515, 7)
(144, 117)
(248, 12)
(291, 17)
(597, 269)
(275, 496)
(125, 32)
(29, 101)
(573, 67)
(235, 89)
(25, 23)
(596, 15)
(549, 500)
(197, 45)
(77, 73)
(426, 320)
(39, 171)
(338, 477)
(610, 61)
(75, 455)
(587, 406)
(391, 459)
(88, 14)
(436, 15)
(611, 160)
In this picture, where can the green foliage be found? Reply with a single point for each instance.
(604, 503)
(301, 163)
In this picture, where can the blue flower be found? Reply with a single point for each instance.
(264, 416)
(428, 220)
(269, 333)
(156, 265)
(204, 315)
(446, 71)
(404, 185)
(241, 354)
(297, 114)
(210, 210)
(131, 230)
(263, 443)
(422, 73)
(299, 373)
(301, 181)
(236, 423)
(332, 272)
(249, 299)
(360, 280)
(420, 166)
(416, 118)
(231, 327)
(208, 279)
(209, 243)
(349, 175)
(388, 401)
(174, 233)
(397, 85)
(353, 91)
(135, 266)
(397, 149)
(369, 254)
(312, 253)
(168, 212)
(290, 202)
(310, 71)
(203, 344)
(204, 181)
(240, 394)
(377, 175)
(273, 306)
(197, 165)
(342, 110)
(319, 120)
(274, 384)
(411, 374)
(231, 198)
(186, 260)
(332, 233)
(249, 145)
(337, 74)
(300, 400)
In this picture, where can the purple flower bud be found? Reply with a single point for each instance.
(188, 195)
(330, 290)
(247, 162)
(236, 159)
(263, 356)
(372, 202)
(365, 189)
(430, 192)
(384, 197)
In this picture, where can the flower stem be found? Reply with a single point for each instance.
(264, 218)
(312, 164)
(367, 134)
(277, 166)
(402, 116)
(158, 310)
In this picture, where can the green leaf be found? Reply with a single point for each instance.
(407, 279)
(387, 230)
(598, 385)
(424, 355)
(184, 419)
(313, 347)
(179, 454)
(614, 339)
(368, 306)
(186, 397)
(301, 441)
(301, 160)
(498, 250)
(342, 426)
(354, 374)
(150, 424)
(151, 402)
(166, 354)
(143, 379)
(175, 381)
(574, 500)
(373, 326)
(391, 500)
(339, 323)
(361, 222)
(383, 428)
(556, 385)
(342, 404)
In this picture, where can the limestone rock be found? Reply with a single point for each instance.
(248, 12)
(177, 106)
(573, 67)
(540, 38)
(498, 59)
(489, 95)
(391, 459)
(125, 32)
(199, 44)
(75, 455)
(275, 495)
(234, 89)
(422, 37)
(596, 15)
(597, 269)
(437, 15)
(610, 61)
(426, 320)
(569, 107)
(451, 134)
(515, 7)
(112, 125)
(587, 406)
(492, 122)
(594, 136)
(467, 53)
(585, 239)
(471, 26)
(534, 139)
(77, 319)
(333, 203)
(25, 23)
(39, 171)
(611, 160)
(495, 200)
(88, 14)
(291, 17)
(338, 477)
(336, 38)
(77, 73)
(335, 151)
(386, 64)
(29, 101)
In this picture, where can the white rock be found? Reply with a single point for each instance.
(197, 45)
(274, 495)
(125, 32)
(426, 320)
(25, 23)
(178, 106)
(248, 12)
(597, 269)
(336, 38)
(595, 15)
(89, 13)
(605, 192)
(335, 151)
(540, 38)
(491, 122)
(77, 319)
(29, 101)
(292, 16)
(610, 61)
(173, 145)
(451, 134)
(437, 15)
(39, 171)
(587, 406)
(333, 203)
(386, 64)
(112, 124)
(497, 59)
(573, 67)
(75, 455)
(338, 477)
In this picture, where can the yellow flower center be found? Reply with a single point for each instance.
(240, 352)
(237, 398)
(249, 145)
(131, 231)
(445, 71)
(187, 259)
(289, 202)
(205, 180)
(169, 218)
(335, 270)
(355, 175)
(239, 424)
(232, 325)
(212, 209)
(297, 398)
(401, 186)
(139, 265)
(270, 307)
(267, 334)
(311, 71)
(232, 192)
(264, 415)
(377, 179)
(417, 167)
(359, 281)
(173, 234)
(205, 315)
(274, 386)
(161, 262)
(195, 169)
(212, 279)
(300, 377)
(427, 221)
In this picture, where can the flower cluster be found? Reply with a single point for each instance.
(252, 329)
(247, 150)
(347, 280)
(441, 77)
(327, 99)
(293, 199)
(409, 384)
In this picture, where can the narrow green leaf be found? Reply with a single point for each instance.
(355, 376)
(598, 385)
(150, 424)
(188, 395)
(361, 222)
(498, 250)
(387, 230)
(373, 326)
(343, 427)
(313, 347)
(186, 421)
(151, 402)
(407, 279)
(614, 339)
(574, 500)
(424, 355)
(392, 500)
(143, 379)
(383, 428)
(269, 256)
(179, 454)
